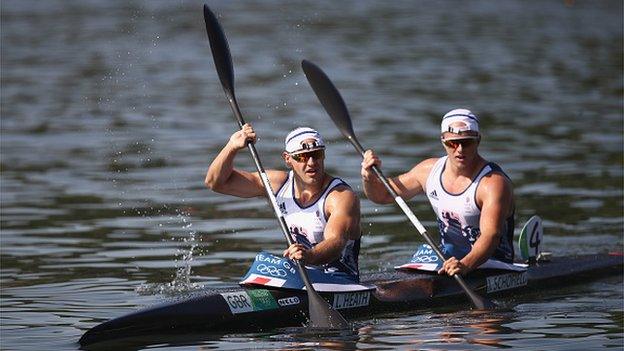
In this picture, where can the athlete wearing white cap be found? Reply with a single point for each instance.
(471, 197)
(322, 212)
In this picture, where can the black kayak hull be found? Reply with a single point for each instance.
(245, 309)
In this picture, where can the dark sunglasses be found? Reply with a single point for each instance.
(454, 144)
(304, 157)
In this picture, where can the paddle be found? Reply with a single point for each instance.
(322, 315)
(330, 98)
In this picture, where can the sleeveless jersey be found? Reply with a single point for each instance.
(458, 214)
(307, 225)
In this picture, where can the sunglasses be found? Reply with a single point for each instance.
(454, 144)
(304, 157)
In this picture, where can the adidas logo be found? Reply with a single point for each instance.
(433, 195)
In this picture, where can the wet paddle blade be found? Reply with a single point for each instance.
(322, 315)
(331, 100)
(480, 303)
(220, 51)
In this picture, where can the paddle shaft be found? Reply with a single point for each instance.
(399, 200)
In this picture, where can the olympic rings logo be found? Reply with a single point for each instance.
(425, 259)
(271, 270)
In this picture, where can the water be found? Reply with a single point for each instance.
(111, 112)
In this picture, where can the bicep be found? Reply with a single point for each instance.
(413, 182)
(496, 204)
(343, 208)
(242, 184)
(249, 184)
(408, 184)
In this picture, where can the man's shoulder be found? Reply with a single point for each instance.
(495, 189)
(341, 187)
(277, 174)
(495, 183)
(341, 190)
(342, 199)
(430, 162)
(424, 167)
(496, 174)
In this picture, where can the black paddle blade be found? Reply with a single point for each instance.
(479, 302)
(322, 315)
(487, 305)
(220, 51)
(329, 97)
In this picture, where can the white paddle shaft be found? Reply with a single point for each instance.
(270, 194)
(410, 214)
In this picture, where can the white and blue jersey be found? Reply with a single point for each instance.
(459, 216)
(306, 225)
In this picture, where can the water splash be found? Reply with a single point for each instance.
(181, 282)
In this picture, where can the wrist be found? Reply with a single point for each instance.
(464, 268)
(369, 178)
(230, 146)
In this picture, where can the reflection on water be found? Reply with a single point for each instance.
(111, 112)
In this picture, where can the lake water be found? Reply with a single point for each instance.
(112, 110)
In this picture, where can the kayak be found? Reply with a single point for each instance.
(258, 308)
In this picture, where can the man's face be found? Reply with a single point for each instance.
(461, 148)
(308, 166)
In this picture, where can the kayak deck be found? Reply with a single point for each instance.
(243, 309)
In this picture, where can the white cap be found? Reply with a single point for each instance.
(469, 120)
(295, 140)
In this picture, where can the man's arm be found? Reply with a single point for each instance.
(223, 178)
(343, 209)
(495, 197)
(406, 185)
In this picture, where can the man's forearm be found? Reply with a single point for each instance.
(481, 251)
(221, 168)
(325, 252)
(375, 191)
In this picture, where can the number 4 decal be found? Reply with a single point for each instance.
(531, 239)
(535, 239)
